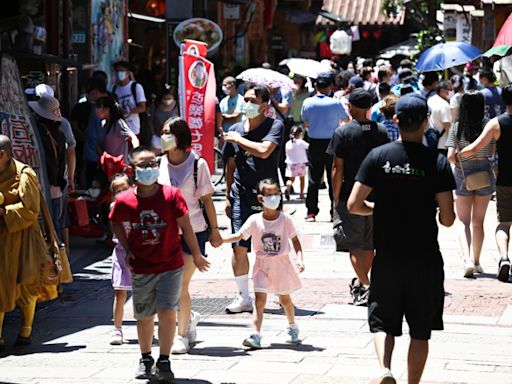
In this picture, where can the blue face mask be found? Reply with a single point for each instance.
(252, 110)
(271, 201)
(147, 176)
(121, 75)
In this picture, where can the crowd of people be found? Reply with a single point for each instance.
(391, 146)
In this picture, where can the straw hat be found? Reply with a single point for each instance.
(47, 107)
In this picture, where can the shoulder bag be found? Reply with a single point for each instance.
(474, 181)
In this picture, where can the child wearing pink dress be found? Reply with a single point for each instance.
(273, 271)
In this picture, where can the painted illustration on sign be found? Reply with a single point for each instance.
(197, 74)
(108, 33)
(24, 145)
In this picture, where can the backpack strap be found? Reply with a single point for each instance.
(196, 166)
(134, 92)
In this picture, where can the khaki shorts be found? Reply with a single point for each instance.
(155, 291)
(504, 203)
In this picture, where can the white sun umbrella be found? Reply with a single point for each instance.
(268, 77)
(307, 67)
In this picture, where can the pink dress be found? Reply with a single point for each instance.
(273, 271)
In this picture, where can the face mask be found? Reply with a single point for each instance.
(147, 176)
(168, 142)
(167, 101)
(272, 201)
(121, 75)
(252, 110)
(450, 94)
(225, 90)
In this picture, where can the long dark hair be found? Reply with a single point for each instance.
(110, 103)
(471, 115)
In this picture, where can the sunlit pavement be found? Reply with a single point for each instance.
(71, 338)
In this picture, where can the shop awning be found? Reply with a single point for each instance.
(405, 48)
(361, 12)
(45, 58)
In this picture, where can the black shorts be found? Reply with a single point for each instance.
(413, 289)
(243, 205)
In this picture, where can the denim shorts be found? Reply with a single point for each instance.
(470, 167)
(202, 238)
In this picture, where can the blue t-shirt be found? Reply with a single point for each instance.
(228, 105)
(376, 114)
(494, 104)
(283, 96)
(93, 138)
(323, 114)
(250, 170)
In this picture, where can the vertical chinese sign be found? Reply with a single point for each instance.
(197, 88)
(24, 144)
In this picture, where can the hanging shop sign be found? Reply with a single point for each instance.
(341, 43)
(198, 29)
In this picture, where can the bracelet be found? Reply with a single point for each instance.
(214, 227)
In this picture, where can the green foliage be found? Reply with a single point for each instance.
(427, 38)
(392, 7)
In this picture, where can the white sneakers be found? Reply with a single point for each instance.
(180, 345)
(117, 337)
(195, 317)
(239, 305)
(469, 269)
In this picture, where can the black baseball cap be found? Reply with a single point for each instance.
(360, 98)
(324, 79)
(411, 108)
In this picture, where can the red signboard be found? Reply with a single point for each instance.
(197, 99)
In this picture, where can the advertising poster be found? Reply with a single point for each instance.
(197, 88)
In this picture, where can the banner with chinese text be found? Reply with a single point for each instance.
(197, 103)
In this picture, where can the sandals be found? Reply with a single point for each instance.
(23, 341)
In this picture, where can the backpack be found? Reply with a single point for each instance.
(201, 203)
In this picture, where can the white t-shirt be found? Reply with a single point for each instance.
(269, 237)
(124, 96)
(439, 114)
(182, 176)
(296, 151)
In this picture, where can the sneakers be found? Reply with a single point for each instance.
(180, 345)
(354, 289)
(310, 218)
(362, 297)
(387, 378)
(239, 305)
(195, 317)
(163, 371)
(146, 368)
(478, 268)
(503, 269)
(2, 344)
(117, 337)
(293, 332)
(253, 341)
(470, 269)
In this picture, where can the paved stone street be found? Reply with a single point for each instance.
(71, 337)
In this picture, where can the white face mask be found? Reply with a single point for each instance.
(450, 94)
(167, 101)
(272, 201)
(252, 110)
(168, 142)
(121, 75)
(225, 90)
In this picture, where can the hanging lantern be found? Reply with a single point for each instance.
(377, 34)
(155, 8)
(341, 43)
(365, 34)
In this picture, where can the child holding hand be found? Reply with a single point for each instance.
(273, 271)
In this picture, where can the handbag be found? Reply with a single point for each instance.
(474, 181)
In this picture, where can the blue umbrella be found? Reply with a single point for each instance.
(447, 55)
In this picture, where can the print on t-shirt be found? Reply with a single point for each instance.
(271, 243)
(149, 223)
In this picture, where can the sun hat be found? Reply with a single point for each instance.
(47, 107)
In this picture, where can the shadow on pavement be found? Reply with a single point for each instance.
(298, 312)
(218, 351)
(297, 347)
(219, 324)
(87, 303)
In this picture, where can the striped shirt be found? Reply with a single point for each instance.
(392, 128)
(453, 142)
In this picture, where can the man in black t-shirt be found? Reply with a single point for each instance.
(499, 129)
(408, 182)
(251, 154)
(349, 146)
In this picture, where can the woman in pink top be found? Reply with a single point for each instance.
(273, 271)
(183, 169)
